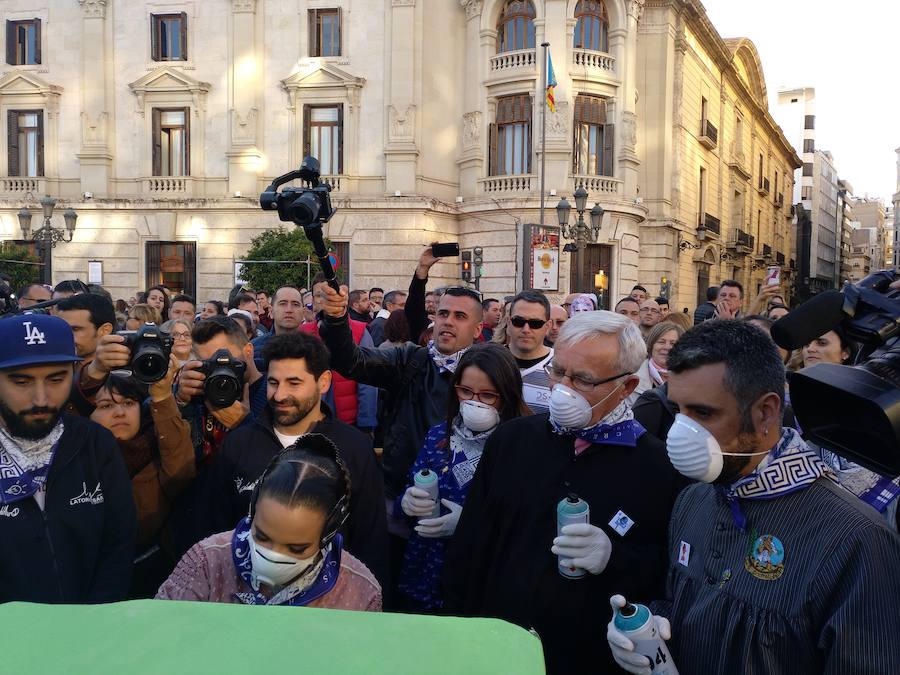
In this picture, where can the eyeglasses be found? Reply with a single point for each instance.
(649, 310)
(533, 324)
(583, 384)
(486, 397)
(180, 336)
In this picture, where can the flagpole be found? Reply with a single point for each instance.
(545, 45)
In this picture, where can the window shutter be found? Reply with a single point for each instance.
(10, 43)
(313, 18)
(157, 143)
(40, 143)
(608, 148)
(37, 40)
(12, 140)
(493, 150)
(187, 142)
(153, 272)
(184, 52)
(154, 38)
(306, 130)
(340, 34)
(340, 133)
(190, 268)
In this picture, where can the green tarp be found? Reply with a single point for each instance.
(171, 638)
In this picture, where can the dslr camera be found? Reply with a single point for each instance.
(308, 206)
(224, 382)
(150, 349)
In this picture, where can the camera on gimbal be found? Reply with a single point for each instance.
(308, 206)
(224, 382)
(150, 349)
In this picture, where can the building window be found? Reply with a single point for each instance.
(323, 137)
(593, 138)
(738, 133)
(591, 26)
(515, 28)
(172, 264)
(171, 142)
(324, 32)
(809, 122)
(808, 169)
(701, 197)
(510, 137)
(23, 42)
(809, 145)
(25, 142)
(168, 37)
(806, 193)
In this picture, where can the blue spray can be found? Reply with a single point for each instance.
(636, 623)
(428, 480)
(570, 511)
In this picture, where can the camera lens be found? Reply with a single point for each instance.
(222, 388)
(305, 209)
(149, 363)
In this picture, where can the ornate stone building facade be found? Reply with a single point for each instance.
(160, 121)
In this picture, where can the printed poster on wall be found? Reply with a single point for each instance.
(544, 259)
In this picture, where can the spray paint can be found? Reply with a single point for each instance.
(570, 511)
(428, 480)
(637, 624)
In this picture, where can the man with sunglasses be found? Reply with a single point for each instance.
(417, 380)
(529, 321)
(505, 556)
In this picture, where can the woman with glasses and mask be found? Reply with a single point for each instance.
(180, 331)
(488, 390)
(288, 551)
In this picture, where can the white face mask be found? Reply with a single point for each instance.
(478, 416)
(273, 568)
(695, 453)
(570, 410)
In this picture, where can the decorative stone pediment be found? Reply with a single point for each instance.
(24, 83)
(167, 80)
(325, 79)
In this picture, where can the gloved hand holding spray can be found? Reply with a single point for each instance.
(570, 511)
(427, 480)
(637, 639)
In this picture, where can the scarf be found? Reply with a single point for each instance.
(312, 584)
(139, 451)
(444, 362)
(618, 428)
(25, 463)
(789, 467)
(657, 374)
(466, 447)
(874, 489)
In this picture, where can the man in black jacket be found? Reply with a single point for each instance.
(506, 559)
(67, 518)
(297, 379)
(707, 310)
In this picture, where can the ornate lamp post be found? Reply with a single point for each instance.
(580, 233)
(47, 237)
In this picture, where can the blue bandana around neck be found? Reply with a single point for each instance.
(446, 363)
(617, 428)
(18, 479)
(790, 467)
(292, 595)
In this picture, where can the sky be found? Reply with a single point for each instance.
(846, 50)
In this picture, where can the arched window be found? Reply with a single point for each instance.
(592, 26)
(515, 28)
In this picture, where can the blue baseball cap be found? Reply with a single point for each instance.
(35, 339)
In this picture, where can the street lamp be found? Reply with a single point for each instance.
(580, 232)
(47, 237)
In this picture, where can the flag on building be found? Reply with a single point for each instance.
(551, 83)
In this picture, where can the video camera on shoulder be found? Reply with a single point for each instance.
(150, 349)
(224, 384)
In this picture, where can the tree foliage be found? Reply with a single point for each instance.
(289, 245)
(14, 264)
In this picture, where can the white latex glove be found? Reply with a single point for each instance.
(445, 526)
(623, 649)
(416, 502)
(583, 545)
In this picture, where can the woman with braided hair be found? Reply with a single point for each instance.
(288, 550)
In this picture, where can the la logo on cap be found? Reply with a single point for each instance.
(33, 336)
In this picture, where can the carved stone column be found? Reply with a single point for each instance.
(95, 150)
(471, 159)
(401, 152)
(245, 107)
(628, 158)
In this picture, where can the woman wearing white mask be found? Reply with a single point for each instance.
(488, 389)
(288, 550)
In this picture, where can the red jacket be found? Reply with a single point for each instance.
(345, 399)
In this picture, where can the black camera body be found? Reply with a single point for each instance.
(224, 382)
(308, 206)
(150, 349)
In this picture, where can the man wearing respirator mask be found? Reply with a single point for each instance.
(773, 566)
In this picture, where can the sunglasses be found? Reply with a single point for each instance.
(533, 324)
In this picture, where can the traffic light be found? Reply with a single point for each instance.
(665, 287)
(478, 261)
(466, 263)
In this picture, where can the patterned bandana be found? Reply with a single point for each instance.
(25, 463)
(617, 428)
(445, 363)
(875, 490)
(313, 584)
(790, 467)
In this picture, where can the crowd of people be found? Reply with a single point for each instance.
(407, 450)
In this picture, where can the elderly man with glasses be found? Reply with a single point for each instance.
(507, 559)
